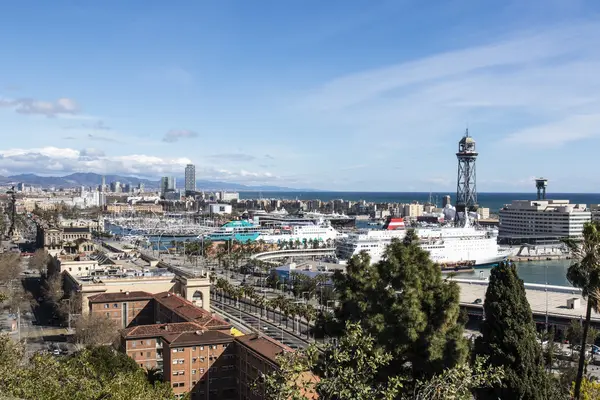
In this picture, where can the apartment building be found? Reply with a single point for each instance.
(194, 349)
(256, 355)
(539, 221)
(201, 362)
(125, 308)
(142, 308)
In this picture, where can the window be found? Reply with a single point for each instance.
(201, 347)
(141, 342)
(194, 359)
(193, 348)
(174, 361)
(132, 344)
(106, 306)
(194, 372)
(225, 346)
(147, 342)
(108, 314)
(201, 370)
(141, 354)
(115, 306)
(148, 354)
(180, 361)
(214, 346)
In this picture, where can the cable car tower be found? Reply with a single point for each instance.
(466, 190)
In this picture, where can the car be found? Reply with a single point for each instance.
(478, 301)
(56, 352)
(265, 328)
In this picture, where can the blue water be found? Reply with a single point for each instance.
(493, 201)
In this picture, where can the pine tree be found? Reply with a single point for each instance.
(509, 338)
(403, 302)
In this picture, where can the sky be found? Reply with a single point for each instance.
(334, 95)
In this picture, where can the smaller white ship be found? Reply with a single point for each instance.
(322, 232)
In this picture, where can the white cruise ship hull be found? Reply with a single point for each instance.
(449, 247)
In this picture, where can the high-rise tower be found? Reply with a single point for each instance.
(466, 190)
(541, 184)
(190, 178)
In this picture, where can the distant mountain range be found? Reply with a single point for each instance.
(92, 179)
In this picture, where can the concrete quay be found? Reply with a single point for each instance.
(543, 299)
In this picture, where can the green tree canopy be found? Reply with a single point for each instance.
(96, 373)
(406, 305)
(509, 338)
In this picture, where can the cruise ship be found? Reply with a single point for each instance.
(448, 246)
(322, 231)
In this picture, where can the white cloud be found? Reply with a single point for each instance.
(62, 106)
(175, 134)
(542, 80)
(61, 161)
(66, 160)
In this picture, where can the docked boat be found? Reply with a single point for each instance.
(322, 232)
(241, 231)
(450, 247)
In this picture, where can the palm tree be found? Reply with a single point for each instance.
(260, 302)
(309, 313)
(584, 273)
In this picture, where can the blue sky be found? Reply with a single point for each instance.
(340, 95)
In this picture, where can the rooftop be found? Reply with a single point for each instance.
(189, 311)
(162, 330)
(120, 296)
(264, 345)
(198, 337)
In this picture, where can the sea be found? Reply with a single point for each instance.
(493, 201)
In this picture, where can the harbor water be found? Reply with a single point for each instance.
(553, 272)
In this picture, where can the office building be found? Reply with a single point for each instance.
(190, 178)
(541, 221)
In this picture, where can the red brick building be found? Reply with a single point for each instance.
(125, 308)
(193, 348)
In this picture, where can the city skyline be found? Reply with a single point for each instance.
(364, 100)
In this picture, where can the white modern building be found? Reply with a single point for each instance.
(219, 209)
(228, 196)
(538, 221)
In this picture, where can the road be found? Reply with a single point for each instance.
(273, 329)
(36, 328)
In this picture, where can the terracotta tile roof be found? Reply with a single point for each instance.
(264, 346)
(188, 311)
(120, 296)
(198, 338)
(162, 330)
